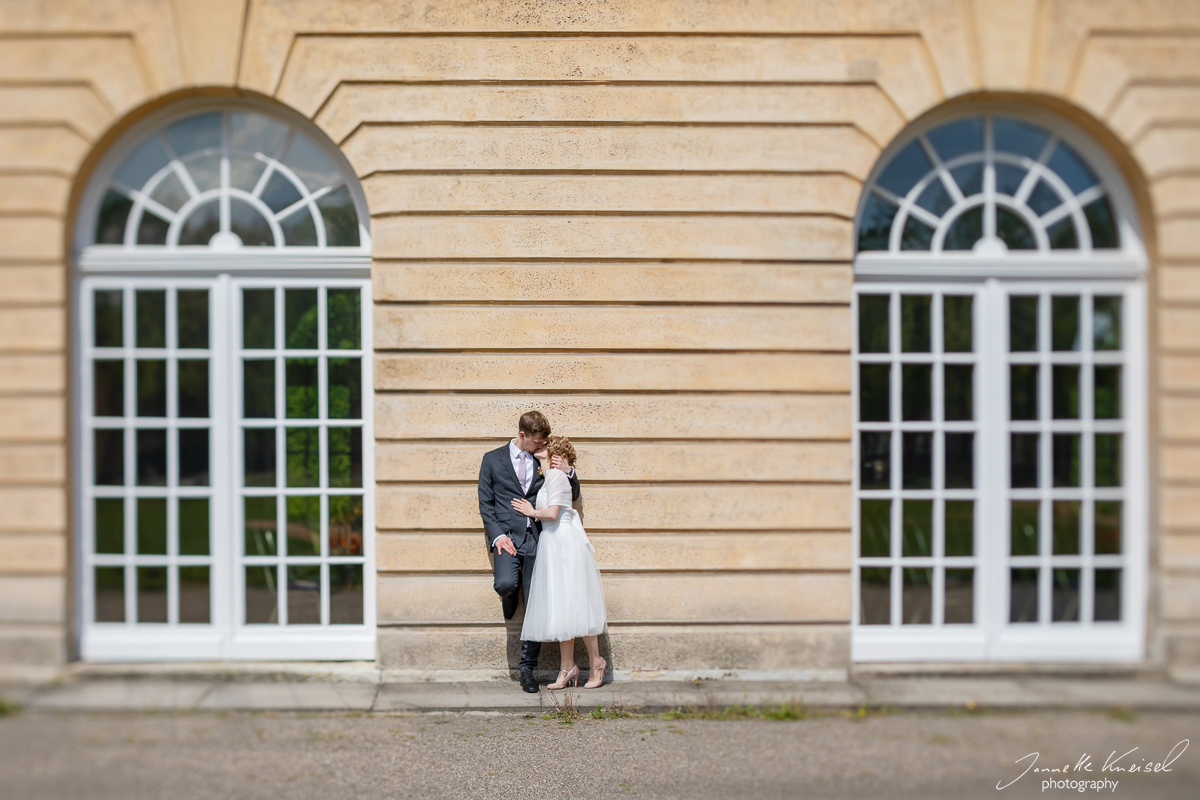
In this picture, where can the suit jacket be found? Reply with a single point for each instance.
(498, 485)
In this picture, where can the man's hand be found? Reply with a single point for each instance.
(558, 462)
(503, 544)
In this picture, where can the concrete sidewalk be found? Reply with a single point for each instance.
(185, 694)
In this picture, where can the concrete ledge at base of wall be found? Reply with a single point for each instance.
(95, 693)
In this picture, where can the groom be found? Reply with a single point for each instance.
(507, 473)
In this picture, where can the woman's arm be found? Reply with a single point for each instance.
(545, 514)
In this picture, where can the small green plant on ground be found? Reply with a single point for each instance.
(7, 708)
(786, 711)
(565, 711)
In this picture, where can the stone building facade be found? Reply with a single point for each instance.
(643, 218)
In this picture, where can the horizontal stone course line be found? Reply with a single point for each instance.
(675, 417)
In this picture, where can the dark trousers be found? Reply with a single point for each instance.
(513, 573)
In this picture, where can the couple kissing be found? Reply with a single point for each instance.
(542, 553)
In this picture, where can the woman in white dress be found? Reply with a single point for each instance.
(566, 598)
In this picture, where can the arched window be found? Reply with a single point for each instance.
(1000, 398)
(224, 413)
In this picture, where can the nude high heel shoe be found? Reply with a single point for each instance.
(565, 677)
(596, 674)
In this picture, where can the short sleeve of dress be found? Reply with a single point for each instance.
(558, 489)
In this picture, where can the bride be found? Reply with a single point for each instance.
(566, 598)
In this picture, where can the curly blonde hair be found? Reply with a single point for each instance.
(561, 446)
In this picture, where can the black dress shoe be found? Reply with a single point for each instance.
(509, 604)
(529, 683)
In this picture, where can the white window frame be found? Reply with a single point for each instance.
(993, 276)
(222, 271)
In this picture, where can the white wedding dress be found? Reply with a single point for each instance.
(566, 598)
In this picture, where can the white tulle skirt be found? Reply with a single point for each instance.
(566, 598)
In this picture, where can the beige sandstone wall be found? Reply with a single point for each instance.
(669, 187)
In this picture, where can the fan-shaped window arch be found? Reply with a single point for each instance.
(999, 188)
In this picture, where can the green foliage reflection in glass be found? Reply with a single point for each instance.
(873, 323)
(875, 525)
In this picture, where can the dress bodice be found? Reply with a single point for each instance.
(555, 491)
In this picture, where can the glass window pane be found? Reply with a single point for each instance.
(304, 526)
(108, 383)
(346, 525)
(1071, 168)
(1106, 323)
(107, 304)
(244, 173)
(261, 595)
(873, 323)
(1023, 595)
(152, 229)
(905, 169)
(151, 388)
(200, 132)
(970, 181)
(1063, 235)
(1008, 181)
(966, 230)
(110, 525)
(1108, 392)
(110, 594)
(113, 216)
(960, 460)
(298, 228)
(1024, 460)
(193, 318)
(304, 594)
(300, 399)
(205, 171)
(300, 319)
(345, 319)
(255, 133)
(1024, 525)
(959, 402)
(1043, 198)
(303, 457)
(193, 526)
(1108, 459)
(258, 319)
(193, 457)
(875, 596)
(874, 392)
(875, 460)
(960, 527)
(341, 220)
(957, 138)
(345, 594)
(201, 225)
(151, 594)
(193, 388)
(262, 528)
(1065, 598)
(308, 162)
(1108, 527)
(917, 602)
(1013, 231)
(959, 608)
(194, 601)
(151, 318)
(1103, 224)
(1066, 459)
(1066, 527)
(1066, 391)
(915, 323)
(149, 157)
(957, 323)
(1022, 323)
(108, 457)
(918, 460)
(916, 236)
(916, 386)
(279, 192)
(874, 223)
(152, 458)
(258, 388)
(259, 457)
(875, 526)
(1020, 138)
(936, 200)
(345, 388)
(1023, 391)
(916, 528)
(249, 225)
(152, 526)
(1107, 606)
(345, 458)
(1064, 323)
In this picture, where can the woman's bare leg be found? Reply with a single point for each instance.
(566, 666)
(596, 664)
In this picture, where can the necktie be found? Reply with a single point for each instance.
(521, 470)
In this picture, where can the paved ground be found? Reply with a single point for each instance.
(832, 754)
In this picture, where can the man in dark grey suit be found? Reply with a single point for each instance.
(508, 473)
